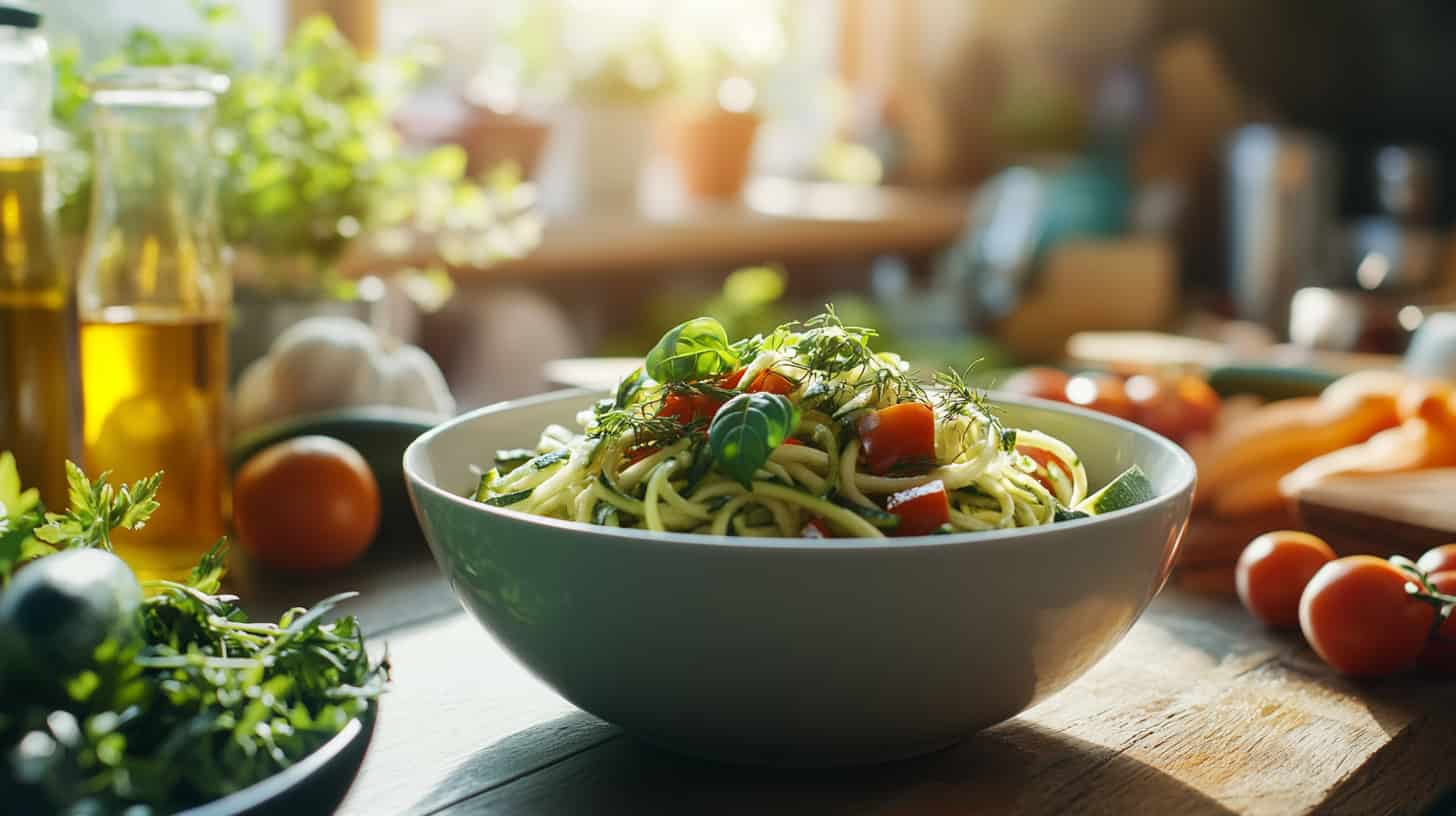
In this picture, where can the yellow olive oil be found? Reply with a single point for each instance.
(155, 386)
(38, 411)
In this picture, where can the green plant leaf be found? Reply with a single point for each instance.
(747, 430)
(629, 387)
(14, 500)
(691, 351)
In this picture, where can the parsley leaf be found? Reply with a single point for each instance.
(97, 508)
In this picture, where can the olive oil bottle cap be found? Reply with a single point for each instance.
(17, 17)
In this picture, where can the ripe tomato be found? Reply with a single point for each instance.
(308, 503)
(731, 381)
(1200, 403)
(771, 382)
(1038, 381)
(1356, 615)
(900, 433)
(1100, 392)
(1045, 460)
(922, 510)
(816, 528)
(1439, 559)
(1440, 653)
(1158, 407)
(1273, 571)
(687, 407)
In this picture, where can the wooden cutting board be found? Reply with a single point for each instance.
(1405, 513)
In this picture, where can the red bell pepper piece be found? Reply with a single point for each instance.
(922, 510)
(900, 433)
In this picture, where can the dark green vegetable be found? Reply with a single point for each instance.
(508, 460)
(58, 610)
(509, 498)
(747, 430)
(546, 460)
(691, 351)
(1063, 514)
(879, 518)
(123, 704)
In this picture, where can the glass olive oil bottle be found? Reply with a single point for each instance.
(153, 296)
(38, 411)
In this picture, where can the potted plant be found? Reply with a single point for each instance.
(595, 70)
(718, 58)
(313, 170)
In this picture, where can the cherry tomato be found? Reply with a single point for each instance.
(1157, 407)
(687, 407)
(1044, 460)
(308, 503)
(816, 528)
(1439, 559)
(900, 433)
(1356, 615)
(637, 454)
(922, 510)
(1200, 403)
(1440, 653)
(1273, 571)
(1100, 392)
(772, 383)
(1038, 381)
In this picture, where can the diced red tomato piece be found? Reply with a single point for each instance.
(732, 380)
(922, 510)
(641, 452)
(771, 382)
(687, 407)
(792, 441)
(1044, 460)
(816, 528)
(900, 433)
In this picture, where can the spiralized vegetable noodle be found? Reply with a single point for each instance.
(804, 431)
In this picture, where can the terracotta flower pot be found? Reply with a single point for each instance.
(711, 150)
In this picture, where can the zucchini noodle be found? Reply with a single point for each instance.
(652, 459)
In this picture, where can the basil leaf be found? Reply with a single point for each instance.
(747, 429)
(692, 351)
(629, 387)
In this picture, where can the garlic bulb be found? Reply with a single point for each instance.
(327, 363)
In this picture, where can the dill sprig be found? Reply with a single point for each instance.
(830, 347)
(957, 398)
(642, 423)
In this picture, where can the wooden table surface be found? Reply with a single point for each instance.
(1198, 711)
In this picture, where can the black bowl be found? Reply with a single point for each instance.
(316, 784)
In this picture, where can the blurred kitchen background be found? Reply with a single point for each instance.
(519, 184)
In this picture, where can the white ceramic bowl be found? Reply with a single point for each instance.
(791, 652)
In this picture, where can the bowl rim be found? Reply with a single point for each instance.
(1184, 486)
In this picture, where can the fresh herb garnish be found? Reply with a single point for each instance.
(190, 703)
(641, 425)
(747, 430)
(693, 350)
(98, 508)
(628, 388)
(20, 513)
